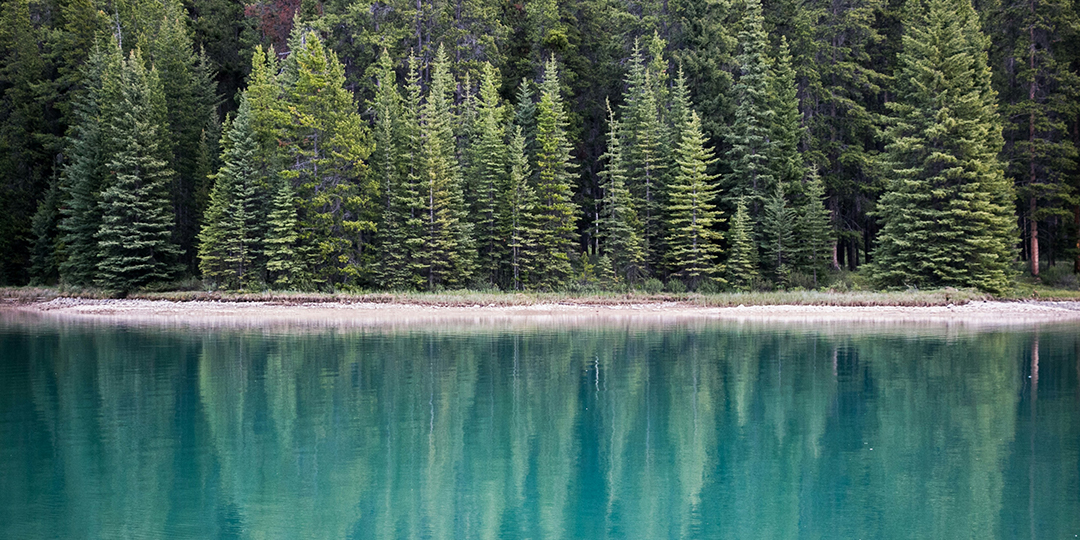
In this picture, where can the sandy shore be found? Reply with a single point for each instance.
(376, 314)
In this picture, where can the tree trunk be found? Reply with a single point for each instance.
(1034, 232)
(1076, 221)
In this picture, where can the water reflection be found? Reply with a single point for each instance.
(680, 431)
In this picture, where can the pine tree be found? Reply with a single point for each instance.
(230, 240)
(134, 239)
(44, 254)
(284, 268)
(647, 153)
(84, 173)
(814, 229)
(328, 145)
(389, 167)
(489, 175)
(556, 212)
(742, 257)
(946, 217)
(1040, 87)
(786, 161)
(190, 103)
(449, 250)
(692, 215)
(778, 232)
(618, 227)
(750, 134)
(519, 218)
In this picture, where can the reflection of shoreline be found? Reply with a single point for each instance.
(832, 319)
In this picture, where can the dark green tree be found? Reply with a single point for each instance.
(84, 172)
(742, 253)
(449, 251)
(489, 176)
(750, 135)
(813, 230)
(947, 215)
(778, 222)
(519, 223)
(134, 239)
(618, 228)
(786, 161)
(230, 242)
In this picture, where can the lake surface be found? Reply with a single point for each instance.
(691, 430)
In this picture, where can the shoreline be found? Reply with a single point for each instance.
(382, 314)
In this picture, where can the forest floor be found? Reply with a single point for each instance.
(262, 309)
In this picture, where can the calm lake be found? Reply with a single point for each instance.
(687, 430)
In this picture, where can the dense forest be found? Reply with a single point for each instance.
(540, 145)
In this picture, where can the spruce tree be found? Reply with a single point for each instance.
(742, 254)
(814, 229)
(284, 267)
(778, 232)
(519, 217)
(230, 240)
(134, 239)
(556, 211)
(750, 135)
(190, 95)
(489, 170)
(449, 252)
(84, 173)
(647, 152)
(692, 215)
(618, 227)
(946, 217)
(786, 161)
(328, 145)
(389, 168)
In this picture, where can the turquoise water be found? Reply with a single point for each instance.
(704, 430)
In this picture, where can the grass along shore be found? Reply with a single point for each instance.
(462, 298)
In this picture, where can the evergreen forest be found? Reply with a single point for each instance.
(551, 145)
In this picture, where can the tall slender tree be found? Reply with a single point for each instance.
(519, 217)
(449, 251)
(618, 227)
(134, 239)
(555, 209)
(742, 255)
(947, 216)
(230, 242)
(488, 175)
(750, 137)
(694, 242)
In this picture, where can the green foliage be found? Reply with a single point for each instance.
(778, 231)
(134, 239)
(618, 227)
(284, 267)
(946, 218)
(750, 135)
(448, 251)
(813, 231)
(327, 145)
(488, 175)
(555, 210)
(84, 173)
(230, 242)
(742, 254)
(519, 219)
(692, 215)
